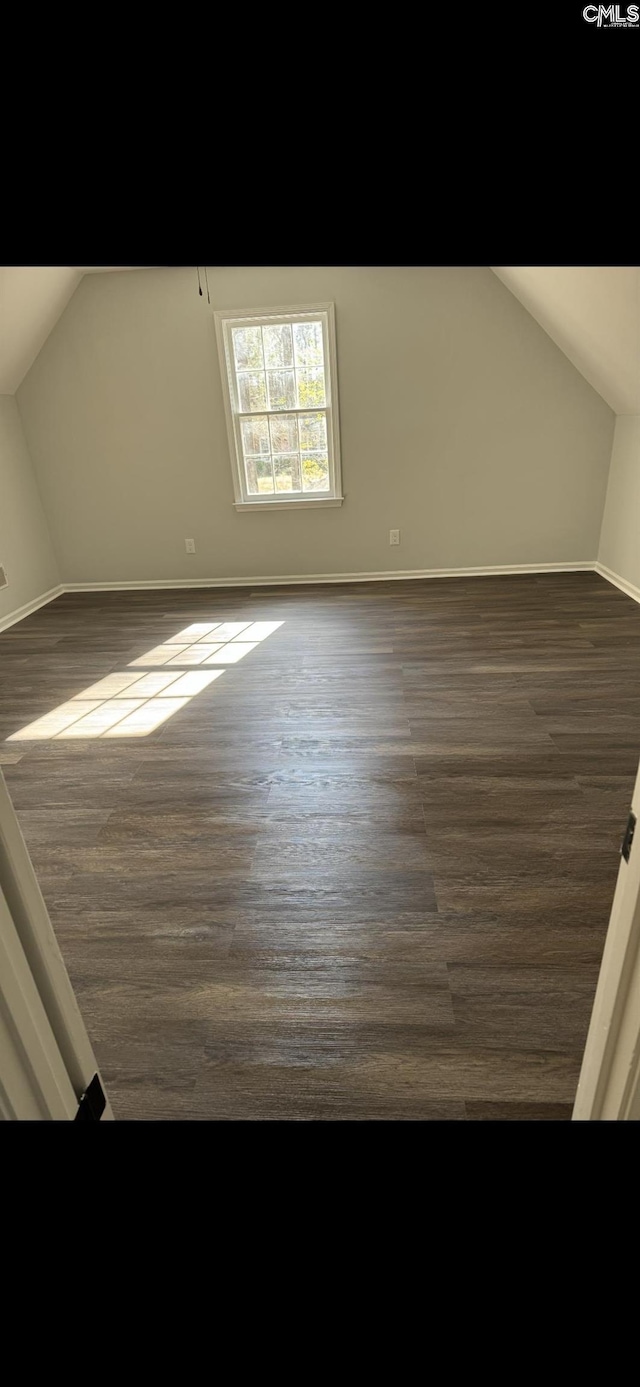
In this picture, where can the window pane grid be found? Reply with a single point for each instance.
(279, 408)
(286, 453)
(282, 370)
(273, 391)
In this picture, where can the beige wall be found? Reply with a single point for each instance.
(462, 424)
(620, 538)
(26, 551)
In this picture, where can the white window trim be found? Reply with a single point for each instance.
(227, 318)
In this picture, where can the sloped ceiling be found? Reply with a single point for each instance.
(592, 312)
(32, 298)
(31, 301)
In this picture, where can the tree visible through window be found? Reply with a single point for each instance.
(281, 404)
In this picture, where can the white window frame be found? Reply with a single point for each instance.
(225, 320)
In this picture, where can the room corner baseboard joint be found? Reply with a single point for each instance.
(21, 612)
(629, 588)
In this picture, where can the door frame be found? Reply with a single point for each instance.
(609, 1084)
(34, 1083)
(40, 1020)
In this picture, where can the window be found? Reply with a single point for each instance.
(279, 382)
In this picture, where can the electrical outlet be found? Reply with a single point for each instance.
(394, 536)
(190, 546)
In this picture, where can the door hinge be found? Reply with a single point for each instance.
(628, 836)
(93, 1102)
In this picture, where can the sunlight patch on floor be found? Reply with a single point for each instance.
(230, 654)
(133, 703)
(146, 718)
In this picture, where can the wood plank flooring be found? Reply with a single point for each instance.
(367, 873)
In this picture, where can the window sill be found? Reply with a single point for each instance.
(289, 505)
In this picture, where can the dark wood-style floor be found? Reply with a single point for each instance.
(367, 873)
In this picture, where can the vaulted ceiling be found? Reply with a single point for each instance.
(591, 312)
(32, 298)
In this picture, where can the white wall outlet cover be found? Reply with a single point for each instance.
(190, 546)
(394, 536)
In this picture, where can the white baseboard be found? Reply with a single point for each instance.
(295, 579)
(618, 582)
(29, 607)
